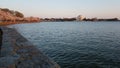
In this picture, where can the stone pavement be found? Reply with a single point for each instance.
(18, 52)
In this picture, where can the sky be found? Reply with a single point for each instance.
(65, 8)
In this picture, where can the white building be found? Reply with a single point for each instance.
(80, 18)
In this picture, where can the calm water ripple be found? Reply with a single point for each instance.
(76, 44)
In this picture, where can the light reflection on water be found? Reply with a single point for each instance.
(77, 44)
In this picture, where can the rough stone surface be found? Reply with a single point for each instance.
(17, 52)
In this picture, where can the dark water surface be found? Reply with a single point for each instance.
(77, 44)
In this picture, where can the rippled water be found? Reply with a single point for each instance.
(77, 44)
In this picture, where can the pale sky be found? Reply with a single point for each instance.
(65, 8)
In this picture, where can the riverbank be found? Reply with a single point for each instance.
(7, 23)
(18, 52)
(12, 23)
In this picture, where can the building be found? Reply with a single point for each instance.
(80, 18)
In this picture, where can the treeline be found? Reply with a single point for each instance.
(59, 19)
(95, 19)
(14, 13)
(7, 15)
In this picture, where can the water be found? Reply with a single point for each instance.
(76, 44)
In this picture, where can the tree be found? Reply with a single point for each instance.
(5, 9)
(18, 14)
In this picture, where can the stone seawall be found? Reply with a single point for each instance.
(18, 52)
